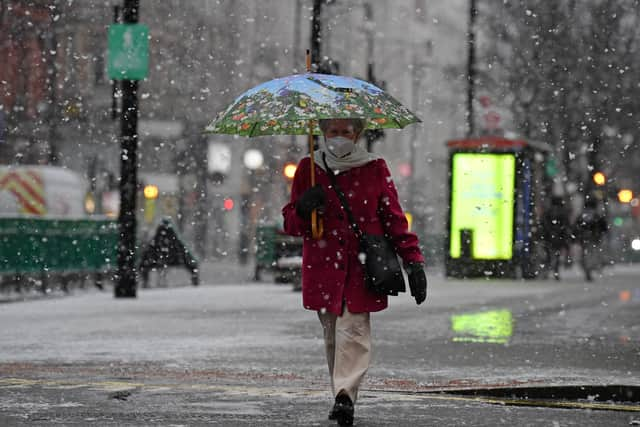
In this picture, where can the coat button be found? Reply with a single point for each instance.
(341, 241)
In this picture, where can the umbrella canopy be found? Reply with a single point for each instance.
(285, 106)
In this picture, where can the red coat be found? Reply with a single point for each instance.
(331, 271)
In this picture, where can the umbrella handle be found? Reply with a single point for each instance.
(317, 227)
(316, 223)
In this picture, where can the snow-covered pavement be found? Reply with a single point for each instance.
(237, 336)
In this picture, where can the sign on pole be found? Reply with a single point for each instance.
(128, 51)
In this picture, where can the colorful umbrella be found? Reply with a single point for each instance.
(285, 106)
(293, 105)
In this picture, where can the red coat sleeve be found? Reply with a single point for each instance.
(394, 221)
(293, 224)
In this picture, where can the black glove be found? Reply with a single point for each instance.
(417, 282)
(313, 198)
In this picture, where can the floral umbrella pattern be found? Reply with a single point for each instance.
(285, 106)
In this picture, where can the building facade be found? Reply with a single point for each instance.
(56, 97)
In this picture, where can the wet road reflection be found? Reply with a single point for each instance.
(493, 326)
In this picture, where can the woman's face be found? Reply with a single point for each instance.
(343, 128)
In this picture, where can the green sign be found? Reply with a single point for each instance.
(482, 200)
(128, 54)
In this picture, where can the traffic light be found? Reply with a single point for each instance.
(150, 193)
(599, 178)
(289, 170)
(551, 167)
(625, 195)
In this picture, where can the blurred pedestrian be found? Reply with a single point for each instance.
(333, 282)
(590, 229)
(557, 231)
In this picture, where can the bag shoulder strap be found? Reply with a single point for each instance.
(343, 198)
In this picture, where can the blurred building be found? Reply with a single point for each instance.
(417, 50)
(56, 97)
(25, 83)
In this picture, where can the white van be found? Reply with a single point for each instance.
(42, 191)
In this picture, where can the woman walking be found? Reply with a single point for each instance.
(333, 282)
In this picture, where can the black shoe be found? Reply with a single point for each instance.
(342, 410)
(334, 411)
(332, 414)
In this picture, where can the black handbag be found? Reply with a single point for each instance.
(383, 274)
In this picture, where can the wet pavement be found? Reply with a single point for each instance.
(111, 403)
(248, 354)
(186, 404)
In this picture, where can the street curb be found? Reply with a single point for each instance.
(556, 397)
(592, 397)
(596, 393)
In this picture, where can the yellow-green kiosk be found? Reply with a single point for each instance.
(496, 192)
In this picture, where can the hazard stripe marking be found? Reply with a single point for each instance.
(29, 205)
(28, 189)
(34, 186)
(36, 177)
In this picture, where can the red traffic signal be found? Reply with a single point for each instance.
(228, 204)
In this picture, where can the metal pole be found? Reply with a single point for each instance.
(127, 274)
(316, 35)
(52, 71)
(202, 205)
(294, 65)
(593, 163)
(471, 41)
(296, 35)
(415, 98)
(114, 83)
(314, 59)
(368, 18)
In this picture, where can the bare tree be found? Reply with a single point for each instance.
(564, 69)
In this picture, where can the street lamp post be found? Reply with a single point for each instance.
(316, 37)
(126, 285)
(52, 82)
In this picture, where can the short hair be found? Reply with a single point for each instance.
(358, 124)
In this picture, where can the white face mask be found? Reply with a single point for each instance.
(340, 146)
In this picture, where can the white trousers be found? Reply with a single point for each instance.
(347, 341)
